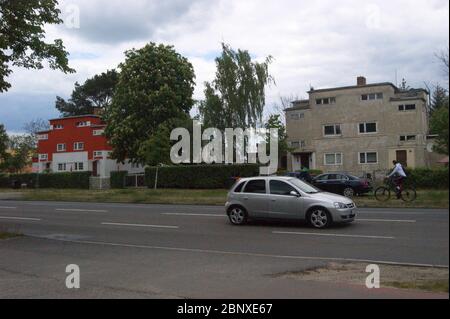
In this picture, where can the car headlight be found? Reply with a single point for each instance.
(340, 205)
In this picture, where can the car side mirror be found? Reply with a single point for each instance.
(294, 193)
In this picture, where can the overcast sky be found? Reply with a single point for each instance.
(322, 43)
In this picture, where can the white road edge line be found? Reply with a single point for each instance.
(81, 210)
(4, 207)
(387, 220)
(187, 214)
(140, 225)
(20, 218)
(236, 253)
(331, 235)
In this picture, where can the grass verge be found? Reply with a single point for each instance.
(425, 198)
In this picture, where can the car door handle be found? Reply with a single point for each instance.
(245, 198)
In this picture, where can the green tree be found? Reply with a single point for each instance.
(439, 125)
(22, 148)
(3, 143)
(274, 121)
(33, 127)
(439, 98)
(155, 84)
(96, 92)
(22, 37)
(236, 98)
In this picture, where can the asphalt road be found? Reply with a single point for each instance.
(169, 251)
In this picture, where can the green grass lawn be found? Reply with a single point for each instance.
(425, 198)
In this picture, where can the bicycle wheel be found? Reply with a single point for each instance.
(409, 194)
(382, 194)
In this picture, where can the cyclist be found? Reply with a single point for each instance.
(398, 175)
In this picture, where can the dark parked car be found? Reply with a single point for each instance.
(342, 183)
(304, 176)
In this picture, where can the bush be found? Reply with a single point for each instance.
(78, 180)
(118, 179)
(199, 176)
(428, 178)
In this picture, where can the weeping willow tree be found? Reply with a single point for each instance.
(236, 97)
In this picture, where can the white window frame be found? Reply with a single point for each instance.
(335, 130)
(403, 106)
(42, 137)
(365, 156)
(43, 157)
(97, 154)
(98, 132)
(336, 163)
(331, 101)
(58, 127)
(83, 124)
(295, 144)
(369, 95)
(407, 138)
(77, 166)
(365, 128)
(76, 146)
(63, 147)
(62, 167)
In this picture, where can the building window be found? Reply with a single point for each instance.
(58, 126)
(368, 158)
(79, 166)
(62, 167)
(98, 132)
(326, 101)
(407, 138)
(295, 145)
(98, 154)
(368, 128)
(83, 124)
(333, 159)
(43, 157)
(407, 107)
(61, 147)
(42, 137)
(372, 97)
(78, 146)
(332, 130)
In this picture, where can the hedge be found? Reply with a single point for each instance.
(199, 176)
(78, 180)
(428, 178)
(118, 179)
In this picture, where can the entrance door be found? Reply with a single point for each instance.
(305, 160)
(95, 168)
(402, 157)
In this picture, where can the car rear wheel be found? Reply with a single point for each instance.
(237, 215)
(348, 192)
(319, 218)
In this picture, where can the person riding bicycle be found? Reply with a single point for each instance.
(398, 176)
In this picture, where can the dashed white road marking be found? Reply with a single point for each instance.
(81, 210)
(140, 225)
(188, 214)
(331, 235)
(387, 220)
(20, 218)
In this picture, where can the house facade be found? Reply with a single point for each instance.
(78, 144)
(359, 129)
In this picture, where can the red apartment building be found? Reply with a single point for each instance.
(77, 144)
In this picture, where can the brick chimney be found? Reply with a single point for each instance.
(361, 81)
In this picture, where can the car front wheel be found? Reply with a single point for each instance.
(349, 192)
(237, 216)
(319, 218)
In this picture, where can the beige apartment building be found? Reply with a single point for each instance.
(359, 129)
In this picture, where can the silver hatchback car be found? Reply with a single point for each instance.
(286, 198)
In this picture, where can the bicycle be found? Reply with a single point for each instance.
(383, 193)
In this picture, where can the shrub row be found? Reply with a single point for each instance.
(118, 179)
(199, 176)
(428, 178)
(78, 180)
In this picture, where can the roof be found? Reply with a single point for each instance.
(355, 87)
(283, 178)
(75, 117)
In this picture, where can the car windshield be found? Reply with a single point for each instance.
(304, 187)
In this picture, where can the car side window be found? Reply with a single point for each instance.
(238, 188)
(281, 188)
(322, 178)
(333, 177)
(256, 187)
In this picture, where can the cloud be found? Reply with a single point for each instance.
(318, 43)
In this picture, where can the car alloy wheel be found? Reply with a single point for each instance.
(237, 216)
(319, 218)
(349, 192)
